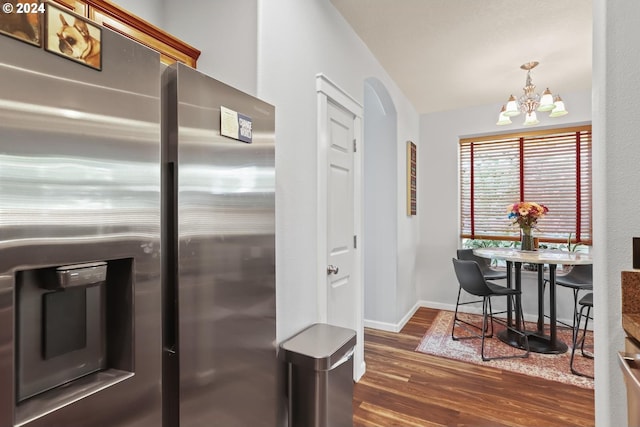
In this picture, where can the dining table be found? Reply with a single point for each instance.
(539, 340)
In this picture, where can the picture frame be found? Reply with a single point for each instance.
(22, 21)
(412, 179)
(73, 37)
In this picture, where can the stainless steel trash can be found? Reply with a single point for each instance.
(320, 383)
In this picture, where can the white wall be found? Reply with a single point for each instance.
(150, 10)
(380, 210)
(391, 235)
(438, 186)
(297, 40)
(408, 226)
(225, 31)
(616, 82)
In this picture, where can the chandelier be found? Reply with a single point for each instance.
(531, 102)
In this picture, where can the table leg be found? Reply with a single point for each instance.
(507, 335)
(540, 298)
(538, 341)
(510, 286)
(552, 303)
(519, 325)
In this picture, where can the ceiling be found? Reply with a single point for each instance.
(451, 54)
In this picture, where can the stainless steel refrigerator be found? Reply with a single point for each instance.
(220, 360)
(80, 271)
(137, 249)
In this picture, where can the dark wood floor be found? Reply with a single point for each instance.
(405, 388)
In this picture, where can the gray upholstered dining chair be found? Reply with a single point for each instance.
(586, 302)
(484, 263)
(488, 273)
(471, 279)
(578, 279)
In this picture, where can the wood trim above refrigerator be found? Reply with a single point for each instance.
(124, 22)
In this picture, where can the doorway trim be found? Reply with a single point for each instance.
(327, 91)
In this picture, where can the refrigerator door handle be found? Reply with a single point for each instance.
(170, 261)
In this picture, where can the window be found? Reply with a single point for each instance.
(551, 167)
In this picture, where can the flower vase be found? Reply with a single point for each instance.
(526, 240)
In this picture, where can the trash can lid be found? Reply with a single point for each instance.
(319, 346)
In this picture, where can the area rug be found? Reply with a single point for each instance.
(437, 342)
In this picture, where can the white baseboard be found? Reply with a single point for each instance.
(440, 306)
(360, 370)
(381, 326)
(477, 310)
(392, 327)
(397, 327)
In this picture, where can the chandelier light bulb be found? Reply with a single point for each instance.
(530, 102)
(559, 109)
(546, 101)
(531, 119)
(512, 109)
(503, 119)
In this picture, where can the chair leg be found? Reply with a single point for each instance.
(484, 325)
(575, 306)
(584, 335)
(576, 315)
(455, 314)
(522, 334)
(576, 321)
(457, 320)
(491, 317)
(580, 342)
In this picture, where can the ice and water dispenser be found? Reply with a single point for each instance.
(71, 321)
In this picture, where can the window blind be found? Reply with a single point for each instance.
(552, 167)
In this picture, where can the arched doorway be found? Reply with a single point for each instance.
(380, 205)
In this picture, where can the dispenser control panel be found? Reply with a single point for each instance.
(82, 274)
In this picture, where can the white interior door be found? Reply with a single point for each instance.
(341, 292)
(339, 222)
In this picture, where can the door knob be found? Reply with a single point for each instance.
(332, 269)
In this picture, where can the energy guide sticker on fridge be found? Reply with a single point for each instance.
(235, 125)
